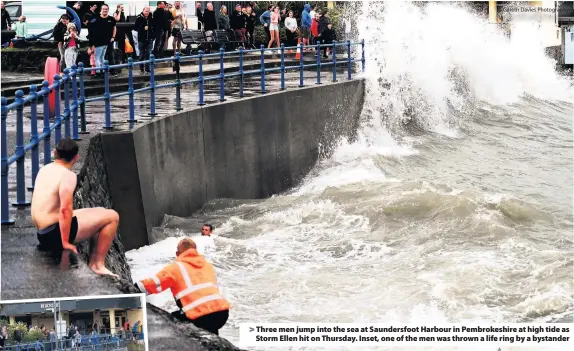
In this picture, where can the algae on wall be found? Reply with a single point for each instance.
(93, 190)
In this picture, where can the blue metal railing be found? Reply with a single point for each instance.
(75, 102)
(92, 342)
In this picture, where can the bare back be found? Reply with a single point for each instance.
(46, 197)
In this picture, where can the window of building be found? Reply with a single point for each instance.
(24, 319)
(83, 320)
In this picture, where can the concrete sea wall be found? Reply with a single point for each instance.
(251, 148)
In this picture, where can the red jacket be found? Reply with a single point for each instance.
(315, 28)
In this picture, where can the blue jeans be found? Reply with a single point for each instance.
(100, 56)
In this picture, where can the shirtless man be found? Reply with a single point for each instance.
(59, 225)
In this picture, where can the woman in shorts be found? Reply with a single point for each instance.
(274, 27)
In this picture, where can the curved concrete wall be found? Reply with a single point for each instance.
(250, 148)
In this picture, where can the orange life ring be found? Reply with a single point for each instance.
(50, 70)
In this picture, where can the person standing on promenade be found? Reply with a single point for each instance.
(60, 30)
(306, 23)
(6, 21)
(60, 227)
(144, 27)
(250, 21)
(265, 20)
(160, 26)
(102, 33)
(193, 284)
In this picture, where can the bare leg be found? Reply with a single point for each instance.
(100, 222)
(272, 34)
(278, 39)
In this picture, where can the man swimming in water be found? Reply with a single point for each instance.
(206, 230)
(60, 227)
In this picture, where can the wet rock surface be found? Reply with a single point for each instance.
(93, 191)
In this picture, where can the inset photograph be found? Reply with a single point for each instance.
(112, 322)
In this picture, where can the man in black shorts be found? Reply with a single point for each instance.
(59, 225)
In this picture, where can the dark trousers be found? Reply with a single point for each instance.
(145, 47)
(159, 40)
(329, 42)
(211, 322)
(290, 38)
(249, 38)
(240, 36)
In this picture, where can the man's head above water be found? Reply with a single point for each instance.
(206, 229)
(184, 245)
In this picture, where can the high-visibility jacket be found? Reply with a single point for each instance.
(192, 282)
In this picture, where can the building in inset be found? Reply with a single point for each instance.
(109, 313)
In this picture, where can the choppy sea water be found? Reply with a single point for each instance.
(454, 204)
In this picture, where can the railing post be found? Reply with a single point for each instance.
(240, 71)
(57, 118)
(262, 69)
(282, 66)
(348, 60)
(107, 109)
(363, 54)
(34, 134)
(152, 86)
(200, 79)
(46, 130)
(131, 89)
(66, 82)
(75, 103)
(334, 61)
(82, 100)
(177, 82)
(20, 171)
(318, 62)
(301, 65)
(4, 160)
(221, 76)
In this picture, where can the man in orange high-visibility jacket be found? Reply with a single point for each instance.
(194, 286)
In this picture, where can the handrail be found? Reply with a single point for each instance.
(71, 83)
(86, 342)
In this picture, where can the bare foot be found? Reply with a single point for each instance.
(102, 270)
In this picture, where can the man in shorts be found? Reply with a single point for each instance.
(306, 22)
(60, 227)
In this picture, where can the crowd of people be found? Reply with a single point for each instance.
(312, 26)
(74, 339)
(108, 41)
(152, 30)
